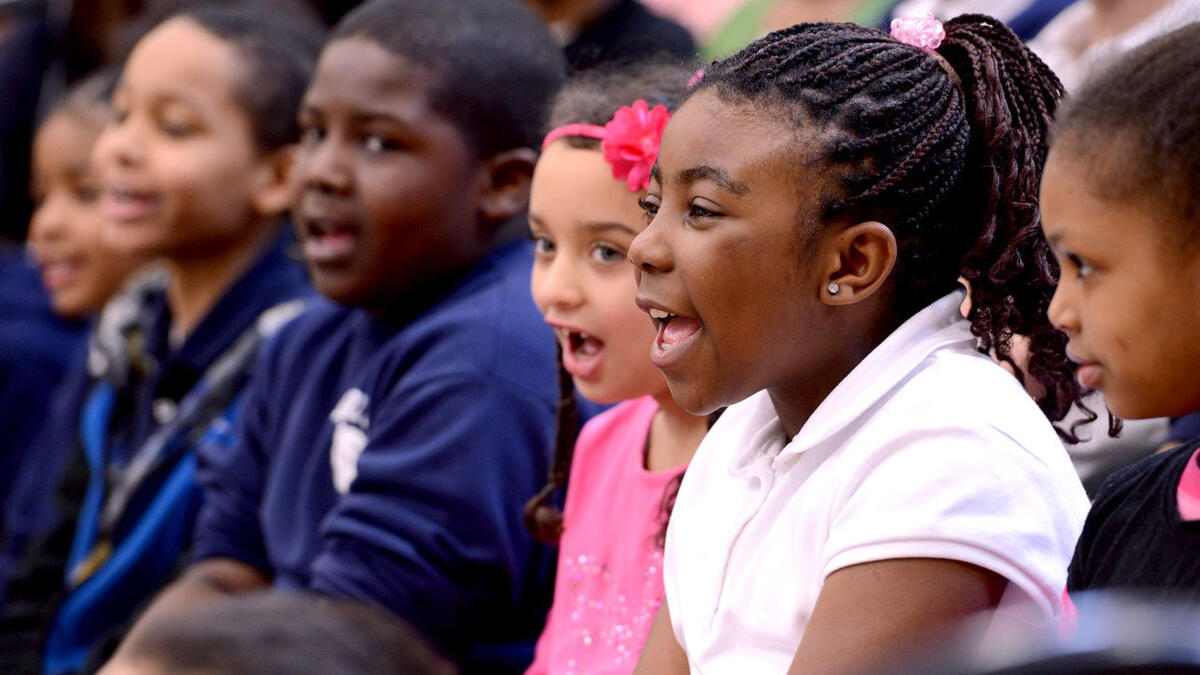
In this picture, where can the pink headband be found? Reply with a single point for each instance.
(630, 141)
(923, 32)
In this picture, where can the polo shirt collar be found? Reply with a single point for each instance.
(888, 366)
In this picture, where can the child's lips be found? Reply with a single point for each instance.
(125, 205)
(329, 243)
(59, 274)
(1089, 375)
(676, 333)
(582, 352)
(1089, 371)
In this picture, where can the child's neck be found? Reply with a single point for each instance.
(674, 435)
(196, 284)
(795, 402)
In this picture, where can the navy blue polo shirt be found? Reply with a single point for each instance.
(390, 462)
(272, 279)
(35, 349)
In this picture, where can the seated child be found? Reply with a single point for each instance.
(194, 171)
(876, 477)
(628, 461)
(1120, 209)
(393, 431)
(270, 632)
(80, 273)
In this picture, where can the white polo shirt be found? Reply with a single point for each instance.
(927, 449)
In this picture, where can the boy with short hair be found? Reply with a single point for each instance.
(391, 435)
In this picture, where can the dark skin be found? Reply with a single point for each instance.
(724, 252)
(391, 201)
(370, 159)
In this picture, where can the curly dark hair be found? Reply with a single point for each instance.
(946, 147)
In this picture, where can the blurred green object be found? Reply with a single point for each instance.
(741, 29)
(747, 24)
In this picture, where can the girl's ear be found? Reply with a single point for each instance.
(505, 184)
(272, 191)
(857, 262)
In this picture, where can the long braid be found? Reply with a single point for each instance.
(542, 518)
(947, 149)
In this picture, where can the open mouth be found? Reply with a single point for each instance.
(675, 334)
(57, 274)
(125, 205)
(582, 352)
(327, 242)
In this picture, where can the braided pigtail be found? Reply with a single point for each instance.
(542, 518)
(946, 148)
(1011, 96)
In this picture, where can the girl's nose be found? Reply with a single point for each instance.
(49, 220)
(118, 145)
(649, 251)
(556, 285)
(1061, 311)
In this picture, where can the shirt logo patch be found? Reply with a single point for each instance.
(350, 423)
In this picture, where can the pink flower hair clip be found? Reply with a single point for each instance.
(629, 141)
(923, 32)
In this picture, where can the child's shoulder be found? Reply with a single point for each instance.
(625, 422)
(485, 327)
(1144, 479)
(1134, 536)
(966, 390)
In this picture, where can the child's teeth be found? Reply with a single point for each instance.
(658, 314)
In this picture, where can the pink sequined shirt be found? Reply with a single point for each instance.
(610, 581)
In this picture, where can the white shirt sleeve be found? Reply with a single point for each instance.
(968, 494)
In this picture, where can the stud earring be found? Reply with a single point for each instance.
(833, 288)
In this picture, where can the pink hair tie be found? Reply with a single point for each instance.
(629, 141)
(585, 130)
(695, 79)
(923, 32)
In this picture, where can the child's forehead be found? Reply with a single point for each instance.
(362, 73)
(745, 143)
(182, 57)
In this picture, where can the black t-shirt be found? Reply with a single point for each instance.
(625, 34)
(1134, 538)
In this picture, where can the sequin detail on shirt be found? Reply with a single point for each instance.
(626, 620)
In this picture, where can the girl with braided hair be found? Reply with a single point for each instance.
(877, 476)
(627, 463)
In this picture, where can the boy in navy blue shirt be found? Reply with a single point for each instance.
(193, 172)
(392, 435)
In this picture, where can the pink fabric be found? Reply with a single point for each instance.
(610, 580)
(1187, 495)
(1069, 621)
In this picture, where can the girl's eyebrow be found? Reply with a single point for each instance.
(715, 175)
(598, 227)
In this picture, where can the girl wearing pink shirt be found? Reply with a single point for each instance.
(627, 463)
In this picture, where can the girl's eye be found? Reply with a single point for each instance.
(311, 134)
(1082, 269)
(376, 144)
(696, 210)
(176, 129)
(607, 254)
(542, 246)
(649, 205)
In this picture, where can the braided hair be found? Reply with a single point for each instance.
(944, 147)
(593, 97)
